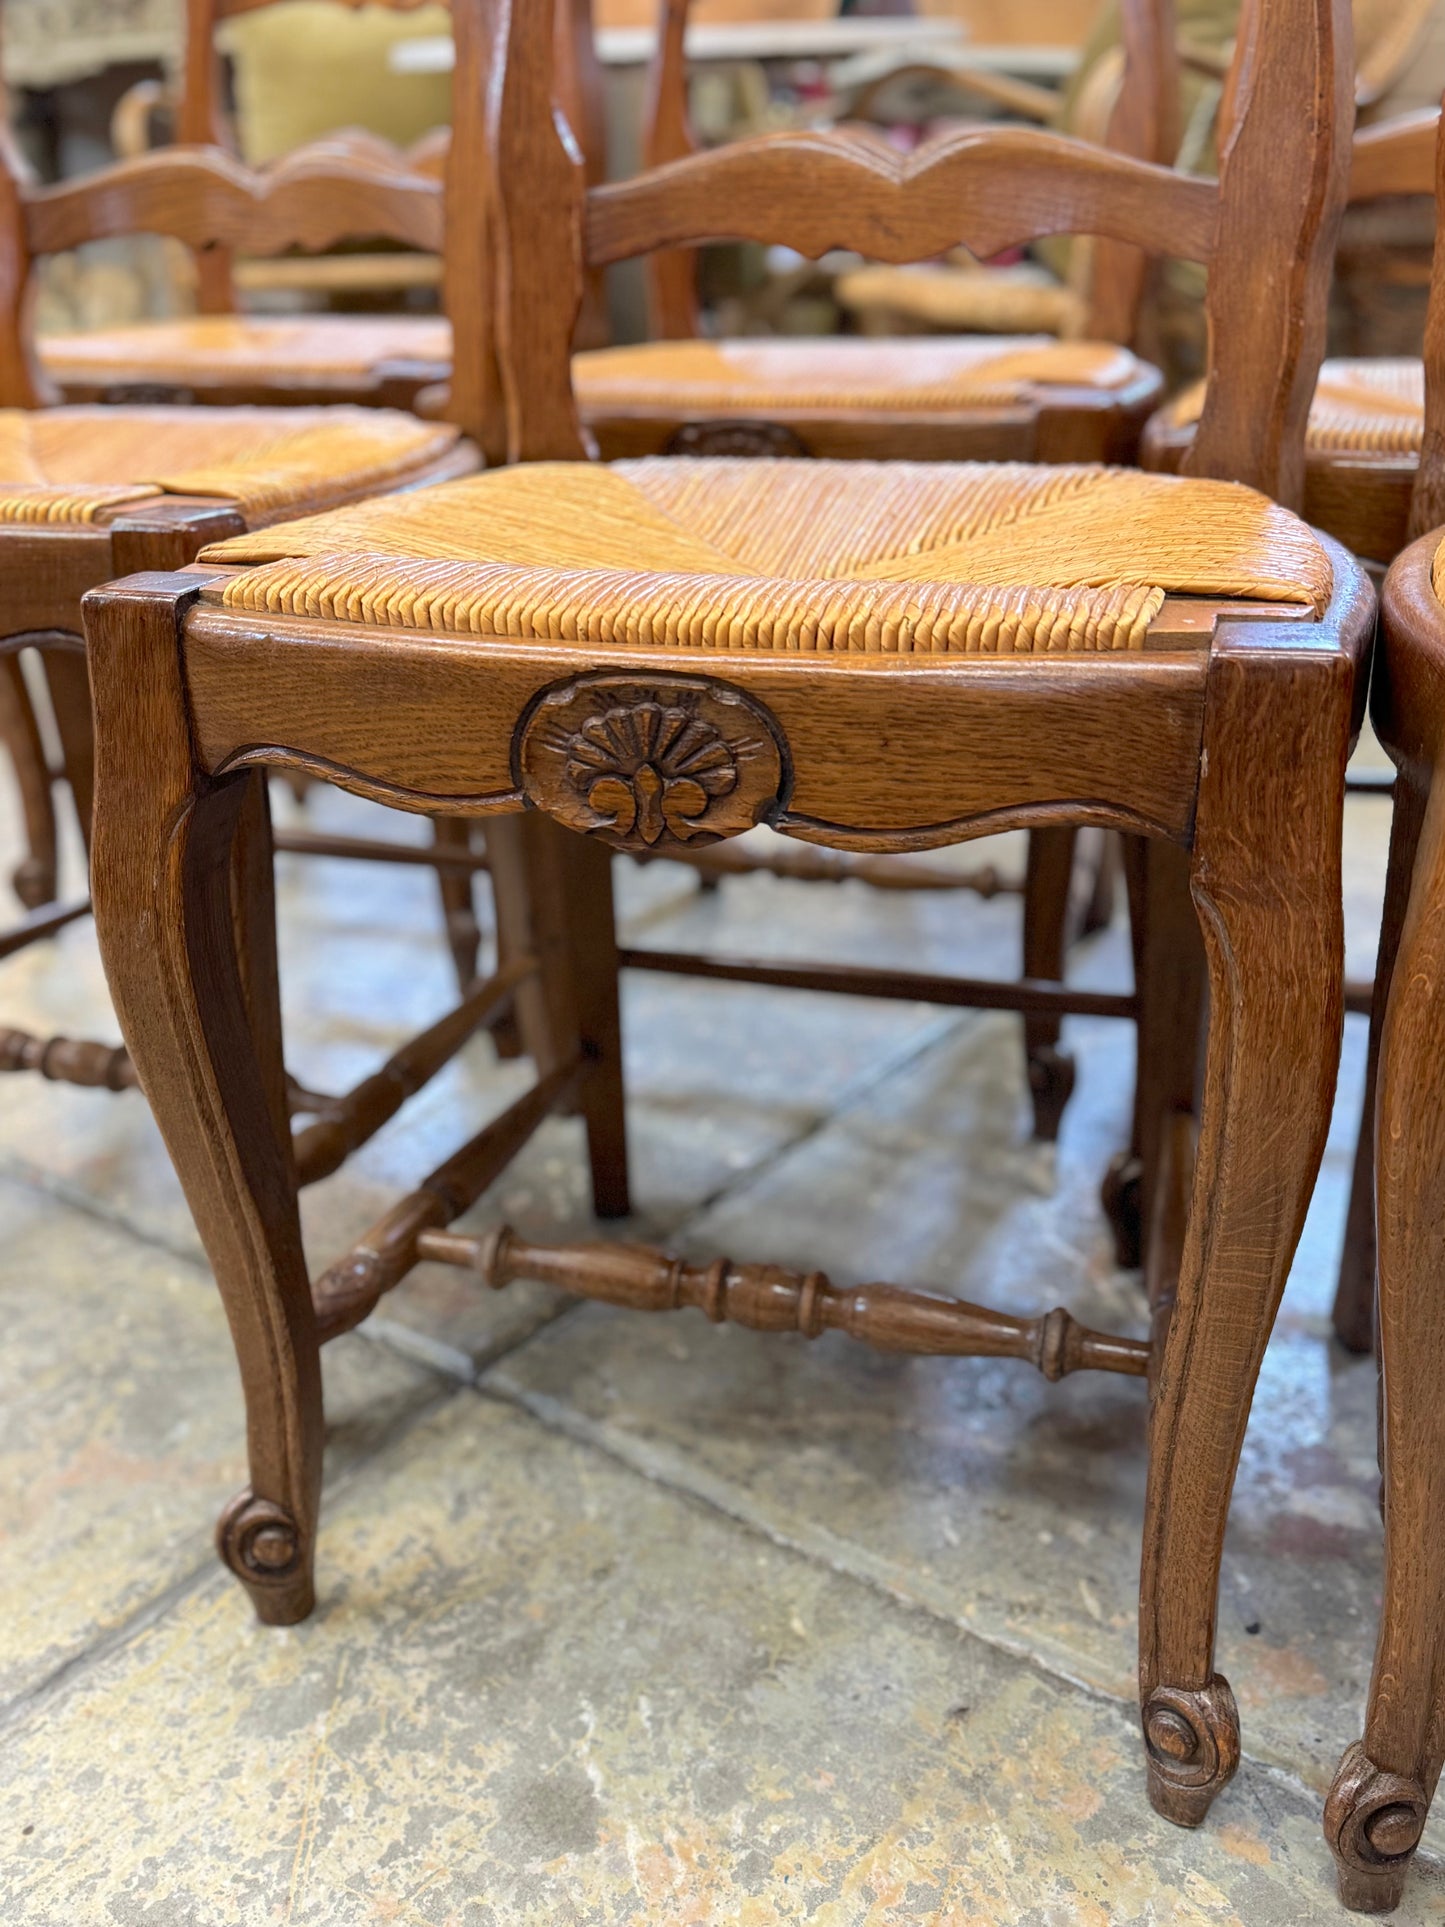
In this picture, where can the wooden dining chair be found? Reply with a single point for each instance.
(961, 398)
(222, 355)
(895, 656)
(1382, 1793)
(90, 493)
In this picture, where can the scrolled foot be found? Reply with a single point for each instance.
(263, 1545)
(1373, 1823)
(1192, 1742)
(1121, 1195)
(1051, 1084)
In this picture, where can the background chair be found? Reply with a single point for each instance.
(87, 494)
(224, 355)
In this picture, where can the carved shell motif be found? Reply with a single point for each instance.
(645, 764)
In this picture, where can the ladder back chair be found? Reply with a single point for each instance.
(90, 493)
(960, 398)
(1382, 1793)
(224, 356)
(979, 397)
(1363, 441)
(883, 657)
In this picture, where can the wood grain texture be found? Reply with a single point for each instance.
(1386, 1781)
(162, 868)
(1280, 207)
(1265, 876)
(206, 198)
(986, 189)
(1427, 504)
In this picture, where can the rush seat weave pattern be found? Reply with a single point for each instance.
(321, 351)
(1360, 408)
(78, 465)
(856, 557)
(836, 376)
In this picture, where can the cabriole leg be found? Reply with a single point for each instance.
(1377, 1807)
(1266, 881)
(183, 913)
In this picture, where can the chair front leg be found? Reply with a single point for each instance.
(1381, 1795)
(1267, 885)
(184, 917)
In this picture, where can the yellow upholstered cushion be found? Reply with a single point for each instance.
(77, 464)
(1359, 408)
(324, 351)
(836, 375)
(891, 558)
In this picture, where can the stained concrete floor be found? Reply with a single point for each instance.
(632, 1620)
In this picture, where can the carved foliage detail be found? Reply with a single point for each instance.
(669, 762)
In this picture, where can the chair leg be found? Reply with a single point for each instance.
(1169, 977)
(35, 878)
(1377, 1807)
(553, 893)
(1051, 1071)
(1354, 1307)
(183, 914)
(464, 936)
(1266, 879)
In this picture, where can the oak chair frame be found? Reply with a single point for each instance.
(199, 196)
(1163, 744)
(1386, 1780)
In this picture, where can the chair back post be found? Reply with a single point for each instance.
(539, 197)
(23, 382)
(200, 123)
(469, 258)
(672, 309)
(1427, 500)
(1145, 123)
(1283, 179)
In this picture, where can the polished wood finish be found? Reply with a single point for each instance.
(1381, 1795)
(771, 1298)
(1223, 744)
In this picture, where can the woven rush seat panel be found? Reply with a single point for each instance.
(835, 376)
(939, 295)
(77, 465)
(323, 351)
(1359, 408)
(877, 558)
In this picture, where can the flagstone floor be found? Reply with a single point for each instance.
(634, 1620)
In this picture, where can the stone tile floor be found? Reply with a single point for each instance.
(630, 1620)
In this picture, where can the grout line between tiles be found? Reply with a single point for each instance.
(714, 1495)
(34, 1699)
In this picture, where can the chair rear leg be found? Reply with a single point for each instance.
(1051, 1071)
(35, 879)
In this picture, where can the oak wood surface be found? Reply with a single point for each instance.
(1382, 1792)
(1227, 746)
